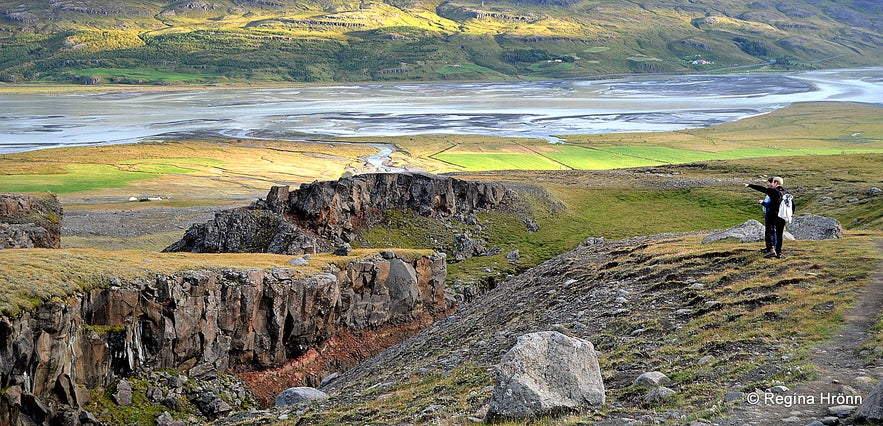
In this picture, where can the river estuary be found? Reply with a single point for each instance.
(518, 109)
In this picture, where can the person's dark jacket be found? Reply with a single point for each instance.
(775, 195)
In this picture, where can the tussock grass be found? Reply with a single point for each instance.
(757, 318)
(765, 316)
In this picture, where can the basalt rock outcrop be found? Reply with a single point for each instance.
(321, 215)
(202, 323)
(28, 222)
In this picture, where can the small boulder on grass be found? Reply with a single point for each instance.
(123, 394)
(546, 373)
(299, 395)
(652, 378)
(659, 395)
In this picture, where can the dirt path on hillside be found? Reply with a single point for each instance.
(841, 377)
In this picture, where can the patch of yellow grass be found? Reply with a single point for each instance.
(229, 168)
(801, 126)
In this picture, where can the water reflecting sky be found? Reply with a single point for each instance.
(523, 109)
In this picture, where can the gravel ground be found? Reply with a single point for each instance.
(134, 223)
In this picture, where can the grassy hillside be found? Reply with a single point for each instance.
(713, 318)
(164, 42)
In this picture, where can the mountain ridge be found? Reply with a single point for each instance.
(168, 42)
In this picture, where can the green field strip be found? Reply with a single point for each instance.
(586, 158)
(499, 161)
(442, 152)
(544, 156)
(81, 177)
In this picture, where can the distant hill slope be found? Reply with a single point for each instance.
(168, 42)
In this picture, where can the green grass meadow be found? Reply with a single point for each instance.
(807, 129)
(87, 177)
(580, 157)
(483, 161)
(78, 178)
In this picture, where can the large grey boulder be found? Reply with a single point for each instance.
(747, 232)
(298, 395)
(403, 291)
(813, 227)
(871, 410)
(546, 373)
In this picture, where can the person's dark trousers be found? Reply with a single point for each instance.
(769, 234)
(779, 225)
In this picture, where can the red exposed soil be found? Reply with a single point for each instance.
(345, 350)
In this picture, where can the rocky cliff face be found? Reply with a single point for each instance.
(201, 323)
(320, 215)
(27, 221)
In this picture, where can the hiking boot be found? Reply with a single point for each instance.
(771, 254)
(766, 250)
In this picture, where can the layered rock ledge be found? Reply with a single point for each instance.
(320, 215)
(202, 323)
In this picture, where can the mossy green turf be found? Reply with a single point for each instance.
(77, 177)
